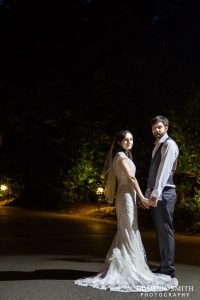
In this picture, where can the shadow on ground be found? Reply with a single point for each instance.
(49, 274)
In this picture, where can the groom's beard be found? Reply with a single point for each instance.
(158, 135)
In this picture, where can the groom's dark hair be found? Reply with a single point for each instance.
(162, 119)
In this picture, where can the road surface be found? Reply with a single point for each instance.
(41, 253)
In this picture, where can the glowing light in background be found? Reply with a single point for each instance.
(3, 187)
(99, 191)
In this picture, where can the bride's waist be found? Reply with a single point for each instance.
(125, 187)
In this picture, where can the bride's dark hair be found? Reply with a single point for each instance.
(108, 174)
(118, 138)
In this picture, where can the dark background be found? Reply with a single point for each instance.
(86, 69)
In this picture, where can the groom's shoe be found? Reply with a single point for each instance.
(160, 271)
(171, 273)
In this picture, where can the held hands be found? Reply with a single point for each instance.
(153, 201)
(144, 203)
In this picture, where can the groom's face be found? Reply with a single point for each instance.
(159, 129)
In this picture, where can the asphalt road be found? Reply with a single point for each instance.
(41, 253)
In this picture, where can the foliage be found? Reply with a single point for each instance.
(14, 189)
(7, 193)
(186, 132)
(107, 212)
(83, 178)
(185, 129)
(187, 214)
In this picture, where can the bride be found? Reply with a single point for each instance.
(125, 268)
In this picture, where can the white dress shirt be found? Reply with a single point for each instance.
(169, 155)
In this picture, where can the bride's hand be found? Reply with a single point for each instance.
(145, 202)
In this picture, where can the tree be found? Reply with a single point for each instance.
(84, 177)
(186, 131)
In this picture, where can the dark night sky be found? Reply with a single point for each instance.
(124, 60)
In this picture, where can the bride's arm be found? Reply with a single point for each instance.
(133, 181)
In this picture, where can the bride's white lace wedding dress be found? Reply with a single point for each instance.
(125, 268)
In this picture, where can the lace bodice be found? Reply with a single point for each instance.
(122, 179)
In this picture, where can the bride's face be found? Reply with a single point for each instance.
(127, 142)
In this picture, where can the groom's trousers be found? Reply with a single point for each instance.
(163, 222)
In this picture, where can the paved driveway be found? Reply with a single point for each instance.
(42, 253)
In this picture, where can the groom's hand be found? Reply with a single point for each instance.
(153, 201)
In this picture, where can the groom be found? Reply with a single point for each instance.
(162, 193)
